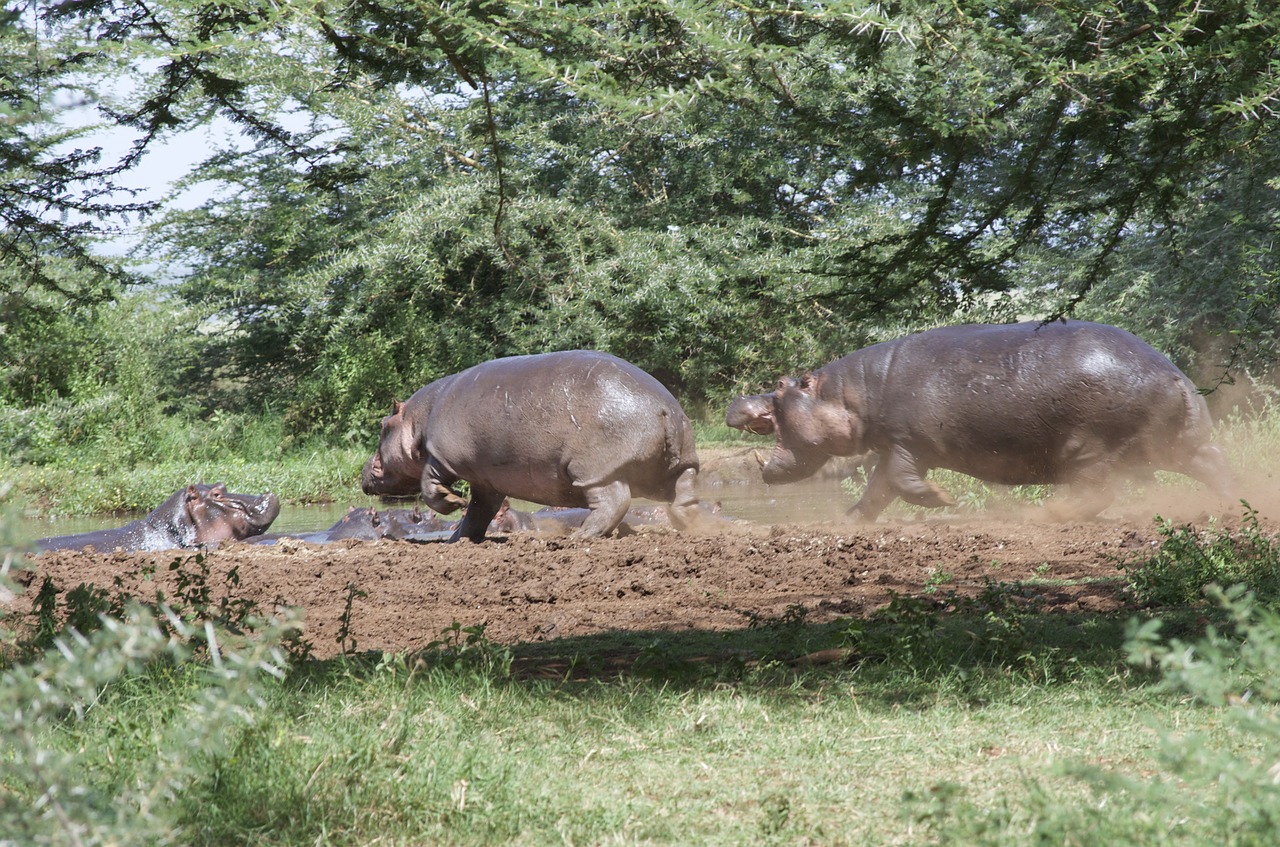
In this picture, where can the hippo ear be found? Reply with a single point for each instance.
(810, 382)
(396, 407)
(192, 493)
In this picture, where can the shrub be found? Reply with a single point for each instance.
(1205, 792)
(60, 793)
(1189, 560)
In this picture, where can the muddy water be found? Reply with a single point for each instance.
(811, 500)
(808, 500)
(291, 519)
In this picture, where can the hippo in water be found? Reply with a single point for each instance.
(367, 524)
(1064, 402)
(576, 428)
(194, 516)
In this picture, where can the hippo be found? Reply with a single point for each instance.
(552, 520)
(575, 428)
(363, 524)
(368, 524)
(195, 516)
(407, 523)
(1028, 403)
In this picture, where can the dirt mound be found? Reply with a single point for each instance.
(529, 587)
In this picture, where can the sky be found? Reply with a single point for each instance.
(166, 161)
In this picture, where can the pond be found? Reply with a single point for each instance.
(809, 500)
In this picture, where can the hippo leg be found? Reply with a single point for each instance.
(878, 494)
(1092, 490)
(898, 474)
(437, 493)
(608, 504)
(1209, 465)
(683, 510)
(484, 505)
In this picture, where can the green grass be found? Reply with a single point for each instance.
(938, 720)
(460, 761)
(414, 750)
(310, 475)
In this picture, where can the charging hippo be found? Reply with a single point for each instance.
(1064, 402)
(194, 516)
(576, 428)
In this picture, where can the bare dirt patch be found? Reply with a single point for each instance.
(526, 587)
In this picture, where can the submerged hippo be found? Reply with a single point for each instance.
(368, 523)
(192, 517)
(576, 428)
(1070, 402)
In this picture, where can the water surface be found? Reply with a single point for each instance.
(808, 500)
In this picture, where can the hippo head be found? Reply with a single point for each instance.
(358, 523)
(395, 468)
(217, 515)
(510, 519)
(401, 523)
(809, 426)
(752, 412)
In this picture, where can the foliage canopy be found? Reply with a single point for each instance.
(718, 192)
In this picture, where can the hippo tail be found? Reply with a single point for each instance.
(682, 453)
(1198, 420)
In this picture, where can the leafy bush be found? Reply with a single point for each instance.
(1189, 560)
(56, 793)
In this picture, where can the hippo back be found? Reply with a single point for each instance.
(545, 426)
(1026, 402)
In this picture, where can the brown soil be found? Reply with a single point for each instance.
(526, 587)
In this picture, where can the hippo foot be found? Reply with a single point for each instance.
(443, 500)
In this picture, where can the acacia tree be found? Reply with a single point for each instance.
(714, 190)
(55, 197)
(1200, 280)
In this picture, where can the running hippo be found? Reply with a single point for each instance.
(1065, 402)
(576, 428)
(194, 516)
